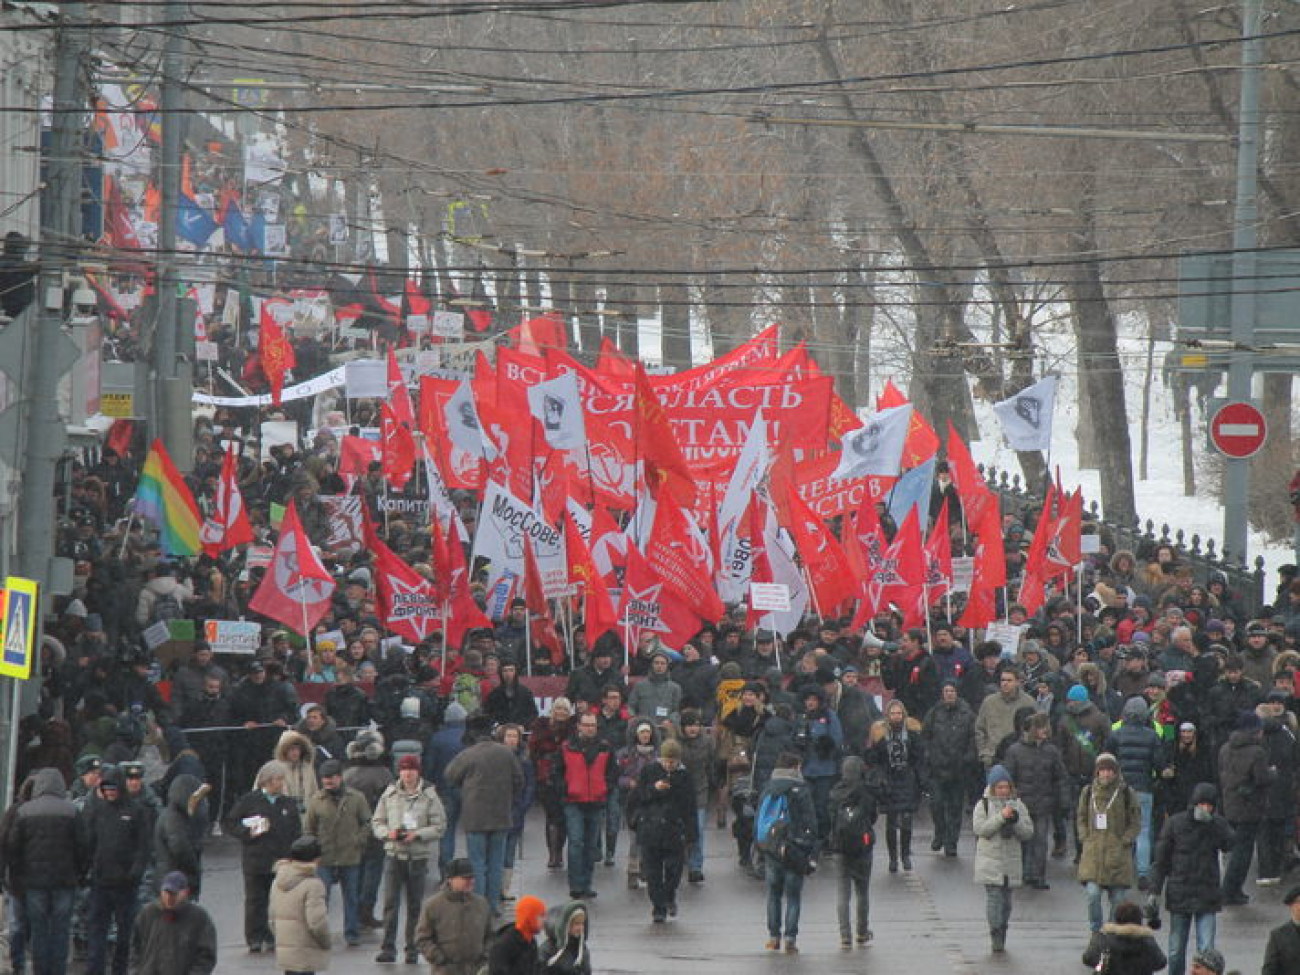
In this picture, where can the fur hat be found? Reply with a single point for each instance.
(368, 744)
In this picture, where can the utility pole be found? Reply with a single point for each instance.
(1236, 481)
(172, 386)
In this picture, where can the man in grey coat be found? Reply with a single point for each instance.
(488, 777)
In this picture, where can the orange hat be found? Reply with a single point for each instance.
(528, 915)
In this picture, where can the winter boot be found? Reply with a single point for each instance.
(905, 842)
(998, 938)
(555, 846)
(507, 876)
(891, 838)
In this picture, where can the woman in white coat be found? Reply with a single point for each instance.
(1002, 825)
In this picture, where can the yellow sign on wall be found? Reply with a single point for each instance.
(117, 405)
(18, 649)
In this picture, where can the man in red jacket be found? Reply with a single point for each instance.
(584, 776)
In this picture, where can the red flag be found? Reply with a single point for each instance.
(398, 447)
(649, 604)
(760, 570)
(922, 442)
(1064, 540)
(356, 454)
(902, 568)
(656, 444)
(827, 563)
(990, 568)
(541, 627)
(981, 608)
(463, 614)
(938, 557)
(598, 611)
(542, 332)
(407, 603)
(296, 589)
(275, 350)
(399, 398)
(480, 319)
(228, 525)
(612, 362)
(974, 493)
(677, 553)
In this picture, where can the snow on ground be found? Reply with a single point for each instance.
(1160, 498)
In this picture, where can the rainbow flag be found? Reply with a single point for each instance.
(163, 498)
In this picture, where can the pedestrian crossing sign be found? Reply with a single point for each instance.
(19, 628)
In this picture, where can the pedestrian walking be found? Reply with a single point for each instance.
(897, 752)
(410, 820)
(339, 817)
(1125, 946)
(1107, 821)
(564, 947)
(664, 809)
(853, 838)
(788, 842)
(583, 775)
(514, 949)
(119, 836)
(1035, 766)
(1002, 826)
(369, 774)
(455, 924)
(949, 735)
(1282, 953)
(488, 777)
(173, 935)
(47, 855)
(266, 822)
(1186, 867)
(1245, 776)
(299, 912)
(178, 834)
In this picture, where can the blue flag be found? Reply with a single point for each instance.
(235, 224)
(193, 223)
(912, 490)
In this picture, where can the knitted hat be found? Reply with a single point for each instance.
(455, 713)
(408, 761)
(330, 767)
(528, 915)
(1210, 958)
(1107, 759)
(1077, 693)
(998, 773)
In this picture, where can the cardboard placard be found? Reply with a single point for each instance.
(771, 597)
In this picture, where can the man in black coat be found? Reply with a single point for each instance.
(1186, 866)
(1282, 953)
(1245, 777)
(266, 822)
(588, 683)
(949, 735)
(119, 832)
(664, 807)
(174, 936)
(1038, 771)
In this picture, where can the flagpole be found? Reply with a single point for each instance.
(528, 640)
(446, 634)
(1078, 596)
(925, 608)
(126, 534)
(812, 592)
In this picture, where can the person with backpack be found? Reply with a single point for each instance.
(785, 831)
(162, 598)
(1002, 827)
(853, 838)
(1107, 821)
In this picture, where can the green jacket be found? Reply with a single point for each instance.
(341, 823)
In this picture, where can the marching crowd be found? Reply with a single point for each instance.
(1125, 743)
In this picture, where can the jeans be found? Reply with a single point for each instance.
(18, 933)
(1094, 891)
(1034, 852)
(854, 880)
(447, 845)
(109, 905)
(512, 848)
(1180, 926)
(257, 900)
(372, 872)
(997, 905)
(661, 866)
(613, 823)
(583, 822)
(947, 809)
(403, 877)
(1146, 802)
(695, 858)
(1243, 848)
(349, 880)
(49, 918)
(783, 883)
(820, 786)
(487, 852)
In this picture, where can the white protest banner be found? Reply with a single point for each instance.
(417, 324)
(329, 380)
(207, 352)
(1007, 634)
(233, 636)
(448, 325)
(963, 572)
(772, 597)
(366, 379)
(156, 635)
(503, 524)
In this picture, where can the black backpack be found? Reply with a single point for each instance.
(166, 607)
(853, 831)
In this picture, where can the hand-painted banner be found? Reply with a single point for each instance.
(829, 496)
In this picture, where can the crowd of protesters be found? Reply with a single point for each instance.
(1126, 739)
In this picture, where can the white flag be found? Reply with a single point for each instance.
(440, 504)
(558, 408)
(782, 556)
(503, 523)
(876, 447)
(463, 424)
(1026, 417)
(734, 567)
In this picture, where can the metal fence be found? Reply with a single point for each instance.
(1140, 537)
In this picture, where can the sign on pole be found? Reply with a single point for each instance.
(20, 618)
(1238, 430)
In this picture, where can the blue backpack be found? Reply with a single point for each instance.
(772, 824)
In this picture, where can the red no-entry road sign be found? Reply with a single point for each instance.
(1238, 430)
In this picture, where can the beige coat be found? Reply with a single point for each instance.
(998, 851)
(300, 777)
(299, 919)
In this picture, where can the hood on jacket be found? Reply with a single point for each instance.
(1127, 930)
(179, 792)
(528, 915)
(48, 782)
(637, 723)
(290, 873)
(853, 771)
(368, 744)
(556, 926)
(290, 738)
(1091, 668)
(1135, 711)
